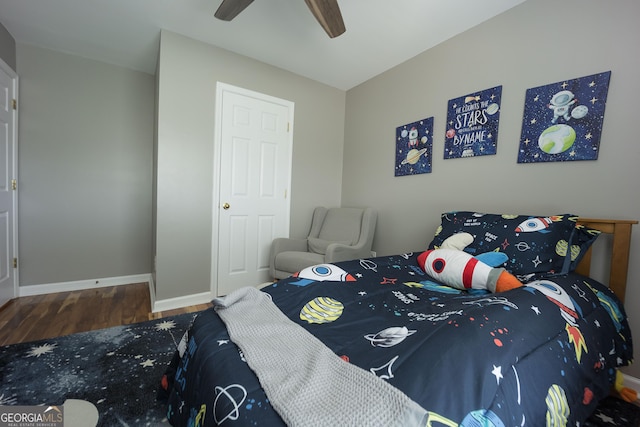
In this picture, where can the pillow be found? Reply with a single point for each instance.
(460, 270)
(581, 240)
(319, 246)
(533, 244)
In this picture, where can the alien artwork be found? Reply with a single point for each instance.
(472, 124)
(563, 121)
(414, 142)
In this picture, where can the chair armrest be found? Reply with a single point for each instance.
(284, 244)
(362, 249)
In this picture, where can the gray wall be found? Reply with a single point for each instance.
(85, 168)
(187, 75)
(518, 50)
(7, 47)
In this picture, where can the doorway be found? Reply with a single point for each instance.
(8, 183)
(252, 185)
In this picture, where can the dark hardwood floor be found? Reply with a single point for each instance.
(51, 315)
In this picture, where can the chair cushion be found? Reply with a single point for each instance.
(341, 225)
(295, 261)
(319, 246)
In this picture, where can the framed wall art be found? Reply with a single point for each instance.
(472, 124)
(414, 147)
(563, 121)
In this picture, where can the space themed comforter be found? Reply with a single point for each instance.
(542, 354)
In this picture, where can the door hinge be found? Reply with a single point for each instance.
(14, 104)
(14, 184)
(15, 263)
(288, 126)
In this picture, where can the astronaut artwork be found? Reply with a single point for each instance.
(563, 121)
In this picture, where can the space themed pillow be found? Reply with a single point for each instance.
(581, 240)
(533, 244)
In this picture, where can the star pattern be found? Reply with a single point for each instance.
(147, 363)
(605, 418)
(497, 372)
(41, 349)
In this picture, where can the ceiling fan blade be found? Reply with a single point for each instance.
(327, 12)
(229, 9)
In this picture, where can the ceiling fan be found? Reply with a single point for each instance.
(327, 12)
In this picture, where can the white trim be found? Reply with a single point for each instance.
(152, 290)
(15, 81)
(631, 382)
(79, 285)
(182, 301)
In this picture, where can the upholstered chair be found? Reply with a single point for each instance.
(337, 234)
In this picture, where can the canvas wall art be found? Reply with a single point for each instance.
(563, 121)
(414, 147)
(472, 124)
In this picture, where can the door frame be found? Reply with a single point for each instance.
(14, 163)
(217, 149)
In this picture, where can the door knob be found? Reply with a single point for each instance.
(226, 206)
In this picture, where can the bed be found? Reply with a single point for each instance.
(384, 341)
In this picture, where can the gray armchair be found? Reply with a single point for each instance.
(337, 234)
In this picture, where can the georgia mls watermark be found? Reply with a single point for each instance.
(31, 416)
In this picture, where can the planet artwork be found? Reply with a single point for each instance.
(562, 121)
(414, 142)
(413, 156)
(492, 109)
(557, 139)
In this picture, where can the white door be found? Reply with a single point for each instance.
(254, 134)
(8, 193)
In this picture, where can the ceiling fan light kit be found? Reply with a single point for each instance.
(326, 12)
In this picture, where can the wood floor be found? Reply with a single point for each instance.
(52, 315)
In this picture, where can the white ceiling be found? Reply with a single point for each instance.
(380, 33)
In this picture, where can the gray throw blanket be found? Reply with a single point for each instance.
(316, 387)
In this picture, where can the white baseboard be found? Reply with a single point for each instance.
(49, 288)
(152, 291)
(183, 301)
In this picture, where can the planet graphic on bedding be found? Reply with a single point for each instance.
(562, 248)
(321, 310)
(482, 418)
(557, 406)
(390, 336)
(557, 139)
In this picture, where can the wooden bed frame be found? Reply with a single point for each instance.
(621, 232)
